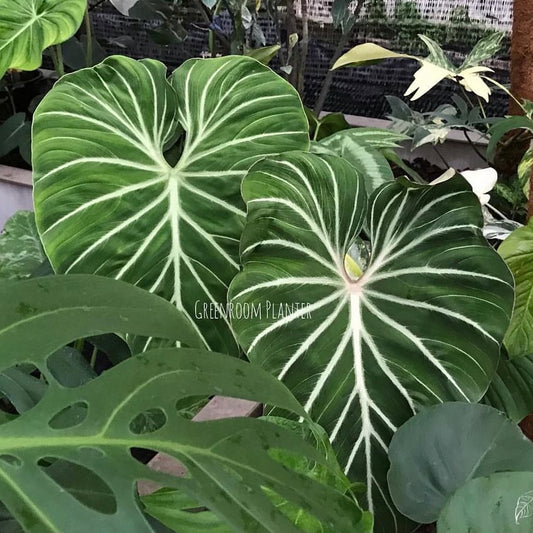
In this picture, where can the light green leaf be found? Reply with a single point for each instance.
(422, 325)
(229, 463)
(265, 54)
(367, 54)
(445, 446)
(498, 503)
(108, 201)
(21, 251)
(27, 27)
(517, 251)
(511, 390)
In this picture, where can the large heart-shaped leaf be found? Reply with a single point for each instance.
(439, 450)
(232, 465)
(27, 27)
(422, 324)
(107, 201)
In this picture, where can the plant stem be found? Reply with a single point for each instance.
(57, 59)
(441, 157)
(530, 198)
(474, 147)
(89, 38)
(11, 100)
(304, 46)
(343, 42)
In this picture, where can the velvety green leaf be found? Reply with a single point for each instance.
(517, 251)
(498, 503)
(27, 27)
(483, 50)
(445, 446)
(107, 201)
(422, 324)
(21, 251)
(511, 390)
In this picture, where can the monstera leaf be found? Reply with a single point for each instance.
(109, 202)
(231, 464)
(417, 320)
(27, 27)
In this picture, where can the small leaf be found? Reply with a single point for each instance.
(21, 251)
(365, 54)
(498, 503)
(429, 462)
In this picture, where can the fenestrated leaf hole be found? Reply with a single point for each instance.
(71, 416)
(10, 460)
(148, 421)
(81, 483)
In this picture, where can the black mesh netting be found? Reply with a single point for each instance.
(455, 24)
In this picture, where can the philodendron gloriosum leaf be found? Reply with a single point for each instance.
(108, 202)
(231, 464)
(422, 325)
(27, 27)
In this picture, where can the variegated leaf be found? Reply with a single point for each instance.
(111, 200)
(422, 323)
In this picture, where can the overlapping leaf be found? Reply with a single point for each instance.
(422, 325)
(108, 201)
(27, 27)
(231, 464)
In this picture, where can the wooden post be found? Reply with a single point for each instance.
(522, 53)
